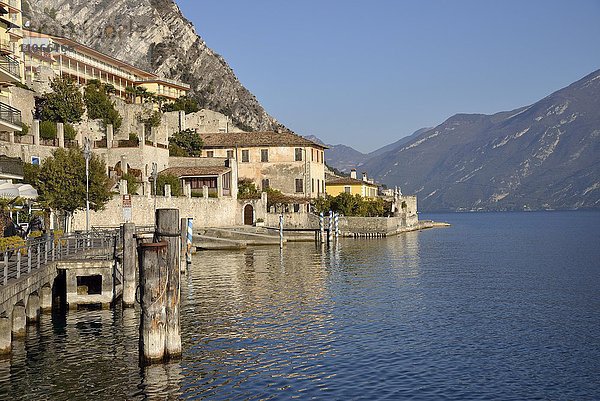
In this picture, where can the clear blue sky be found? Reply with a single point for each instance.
(366, 73)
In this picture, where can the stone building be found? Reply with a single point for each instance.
(47, 56)
(352, 185)
(11, 65)
(283, 161)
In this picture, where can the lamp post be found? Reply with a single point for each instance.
(87, 154)
(154, 178)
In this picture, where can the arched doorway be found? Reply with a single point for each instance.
(248, 215)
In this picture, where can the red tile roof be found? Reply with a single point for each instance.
(196, 171)
(348, 181)
(255, 139)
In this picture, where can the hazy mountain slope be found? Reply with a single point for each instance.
(542, 156)
(345, 158)
(153, 35)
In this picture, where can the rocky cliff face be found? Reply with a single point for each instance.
(544, 156)
(155, 36)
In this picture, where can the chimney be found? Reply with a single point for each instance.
(365, 177)
(353, 173)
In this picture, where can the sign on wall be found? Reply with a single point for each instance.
(127, 208)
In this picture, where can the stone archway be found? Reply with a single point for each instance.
(248, 215)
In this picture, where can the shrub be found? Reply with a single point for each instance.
(132, 183)
(11, 242)
(133, 138)
(24, 130)
(170, 179)
(47, 130)
(70, 132)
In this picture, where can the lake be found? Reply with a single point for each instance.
(498, 306)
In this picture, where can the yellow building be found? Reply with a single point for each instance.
(282, 161)
(11, 62)
(65, 57)
(353, 186)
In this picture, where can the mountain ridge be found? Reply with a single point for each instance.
(154, 35)
(541, 156)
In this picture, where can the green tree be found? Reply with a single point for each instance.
(184, 103)
(170, 179)
(185, 143)
(64, 104)
(61, 181)
(247, 189)
(151, 121)
(100, 105)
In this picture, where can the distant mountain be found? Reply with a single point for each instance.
(344, 158)
(544, 156)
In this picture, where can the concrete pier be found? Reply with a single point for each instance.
(19, 320)
(32, 310)
(46, 298)
(129, 265)
(5, 336)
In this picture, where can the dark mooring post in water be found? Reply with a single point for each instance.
(168, 230)
(153, 286)
(129, 251)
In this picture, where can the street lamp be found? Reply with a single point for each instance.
(154, 176)
(87, 154)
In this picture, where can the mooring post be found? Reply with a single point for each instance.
(189, 242)
(281, 230)
(129, 250)
(153, 287)
(321, 227)
(183, 244)
(167, 230)
(330, 227)
(336, 225)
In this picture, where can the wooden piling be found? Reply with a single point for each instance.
(167, 230)
(129, 256)
(153, 288)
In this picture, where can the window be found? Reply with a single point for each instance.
(312, 187)
(230, 154)
(264, 155)
(245, 156)
(296, 208)
(265, 184)
(299, 185)
(298, 154)
(347, 190)
(210, 153)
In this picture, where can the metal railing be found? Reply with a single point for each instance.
(37, 253)
(10, 114)
(9, 64)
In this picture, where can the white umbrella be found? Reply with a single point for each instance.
(27, 191)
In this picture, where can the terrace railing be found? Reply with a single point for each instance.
(38, 253)
(10, 65)
(10, 114)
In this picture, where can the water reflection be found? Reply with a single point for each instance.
(418, 316)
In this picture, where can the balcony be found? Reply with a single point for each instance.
(10, 70)
(10, 118)
(11, 5)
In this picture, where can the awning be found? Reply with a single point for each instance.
(18, 190)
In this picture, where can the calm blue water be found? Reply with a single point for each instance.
(498, 306)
